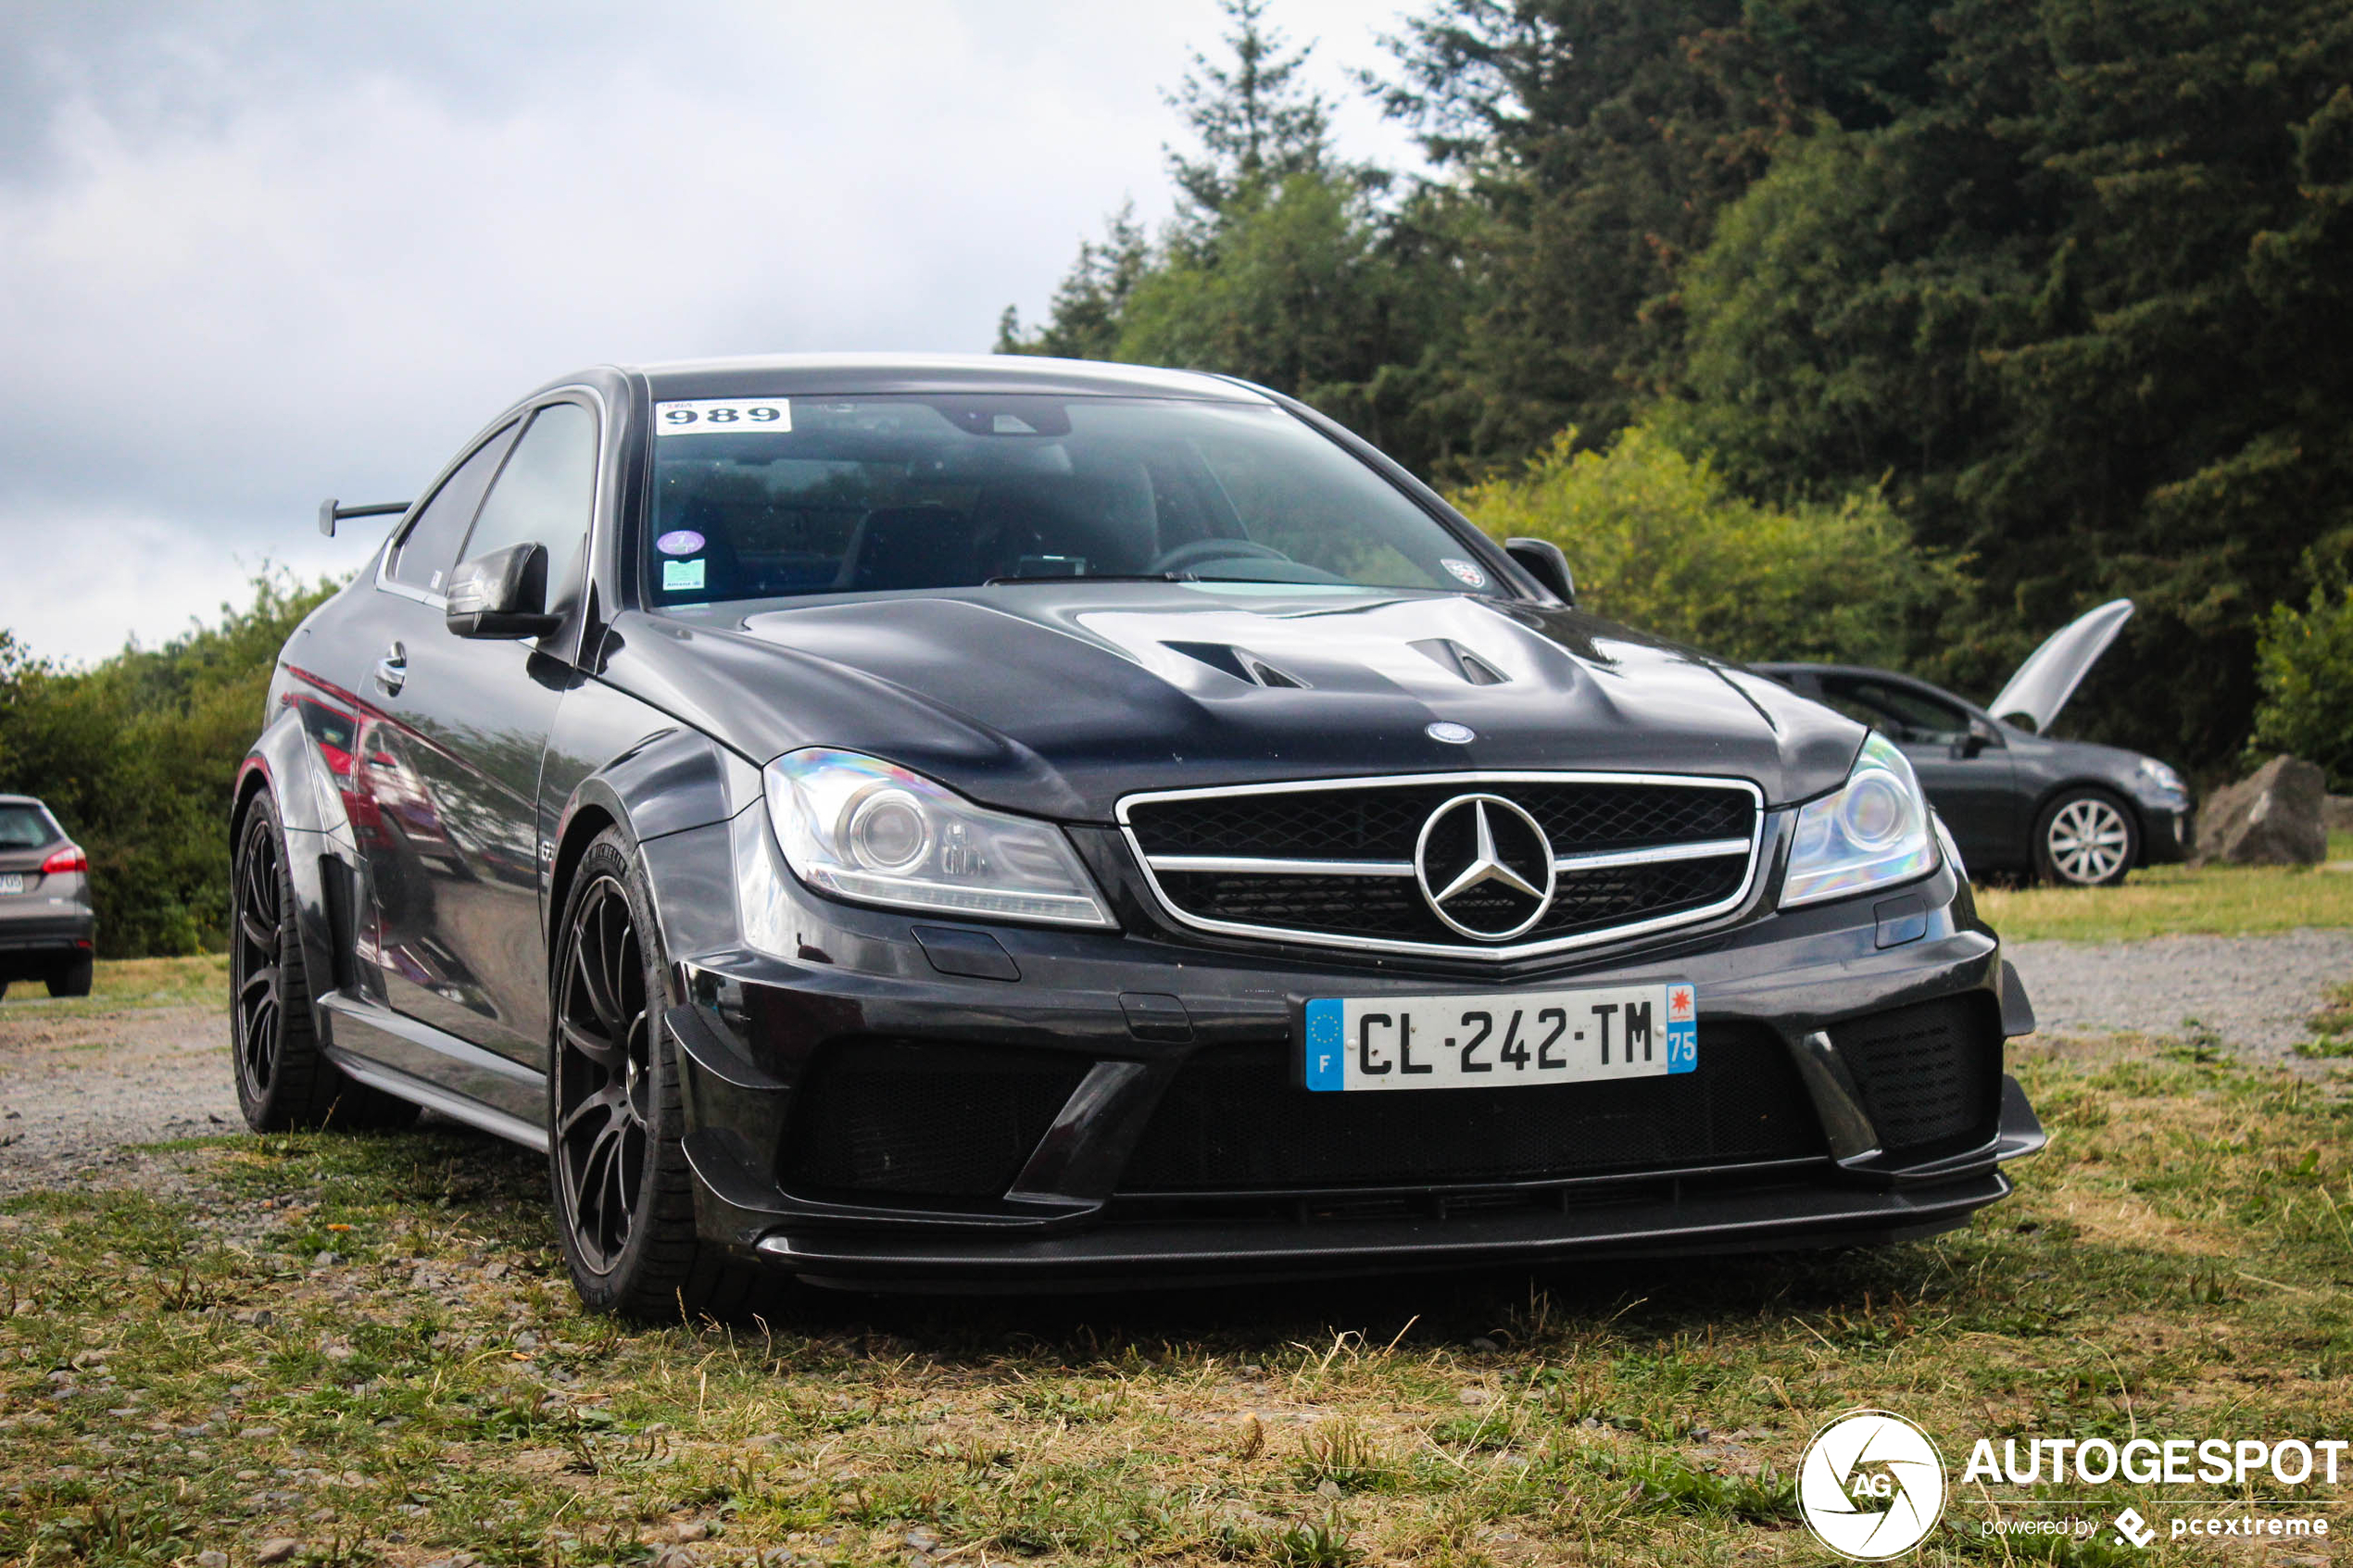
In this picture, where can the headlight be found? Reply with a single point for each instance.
(863, 828)
(2162, 779)
(1873, 832)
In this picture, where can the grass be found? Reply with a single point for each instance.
(2175, 900)
(2332, 1027)
(118, 984)
(365, 1347)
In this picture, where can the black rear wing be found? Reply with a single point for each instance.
(330, 513)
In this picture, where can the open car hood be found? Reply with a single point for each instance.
(2052, 673)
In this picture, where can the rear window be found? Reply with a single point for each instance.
(763, 498)
(26, 827)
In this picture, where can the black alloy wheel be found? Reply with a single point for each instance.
(604, 1074)
(256, 978)
(616, 1123)
(283, 1079)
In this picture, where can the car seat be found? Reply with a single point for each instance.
(928, 546)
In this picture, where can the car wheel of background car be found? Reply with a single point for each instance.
(624, 1194)
(73, 980)
(284, 1079)
(2086, 839)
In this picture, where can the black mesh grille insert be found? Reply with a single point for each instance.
(1928, 1072)
(1233, 1119)
(1381, 823)
(907, 1118)
(1393, 906)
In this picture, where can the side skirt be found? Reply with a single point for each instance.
(361, 1035)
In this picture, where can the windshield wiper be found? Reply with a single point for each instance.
(1092, 577)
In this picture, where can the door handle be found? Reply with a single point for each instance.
(391, 670)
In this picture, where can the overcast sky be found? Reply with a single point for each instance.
(252, 255)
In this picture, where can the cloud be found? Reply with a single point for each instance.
(253, 254)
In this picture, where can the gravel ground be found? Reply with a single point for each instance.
(2255, 991)
(74, 1091)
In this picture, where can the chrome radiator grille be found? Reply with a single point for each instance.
(1487, 864)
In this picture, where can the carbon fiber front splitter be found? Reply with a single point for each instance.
(1834, 1211)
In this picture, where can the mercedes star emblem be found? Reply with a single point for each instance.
(1485, 866)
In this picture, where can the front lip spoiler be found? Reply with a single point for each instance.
(1123, 1256)
(1110, 1257)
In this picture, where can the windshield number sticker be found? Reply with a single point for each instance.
(722, 416)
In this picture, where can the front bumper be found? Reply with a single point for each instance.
(1665, 1217)
(2166, 832)
(1126, 1017)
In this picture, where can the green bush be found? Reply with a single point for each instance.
(136, 755)
(2304, 662)
(1660, 542)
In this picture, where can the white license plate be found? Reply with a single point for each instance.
(11, 883)
(1500, 1042)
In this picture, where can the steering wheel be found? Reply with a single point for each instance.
(1213, 549)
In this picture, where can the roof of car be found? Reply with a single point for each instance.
(22, 801)
(1777, 666)
(809, 374)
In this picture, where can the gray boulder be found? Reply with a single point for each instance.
(2271, 818)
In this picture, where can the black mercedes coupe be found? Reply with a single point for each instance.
(1009, 823)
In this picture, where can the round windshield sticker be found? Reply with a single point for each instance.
(679, 542)
(1467, 572)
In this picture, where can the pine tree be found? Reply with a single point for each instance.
(1257, 121)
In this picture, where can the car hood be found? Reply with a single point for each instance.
(2052, 673)
(1058, 699)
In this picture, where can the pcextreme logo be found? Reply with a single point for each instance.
(1871, 1486)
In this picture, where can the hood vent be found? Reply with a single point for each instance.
(1448, 654)
(1240, 663)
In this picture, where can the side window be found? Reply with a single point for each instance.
(1898, 711)
(545, 492)
(425, 555)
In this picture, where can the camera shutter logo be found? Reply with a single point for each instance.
(1871, 1486)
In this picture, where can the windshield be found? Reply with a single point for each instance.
(769, 498)
(24, 827)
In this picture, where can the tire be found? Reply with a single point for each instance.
(73, 979)
(623, 1193)
(284, 1081)
(2086, 839)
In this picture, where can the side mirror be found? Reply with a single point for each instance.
(503, 595)
(1981, 735)
(1541, 559)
